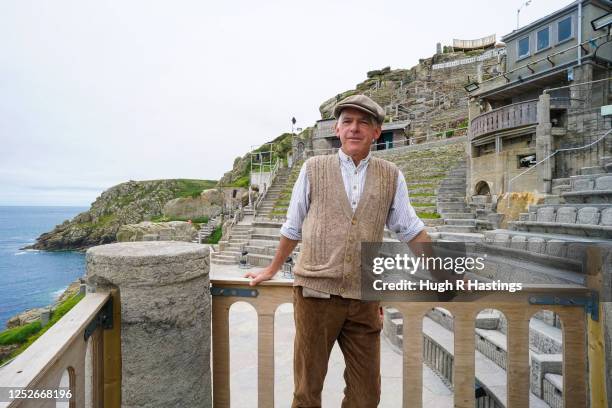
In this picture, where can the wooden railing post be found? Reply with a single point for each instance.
(464, 374)
(518, 356)
(111, 365)
(413, 355)
(221, 356)
(265, 359)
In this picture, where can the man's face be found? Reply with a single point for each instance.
(356, 132)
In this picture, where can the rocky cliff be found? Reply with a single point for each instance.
(238, 176)
(126, 203)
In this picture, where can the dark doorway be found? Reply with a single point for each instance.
(385, 141)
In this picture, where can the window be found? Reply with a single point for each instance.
(564, 29)
(523, 47)
(527, 160)
(543, 39)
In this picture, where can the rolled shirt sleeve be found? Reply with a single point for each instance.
(402, 218)
(298, 207)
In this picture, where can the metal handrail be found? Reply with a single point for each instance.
(263, 195)
(550, 156)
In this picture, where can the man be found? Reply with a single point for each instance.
(332, 221)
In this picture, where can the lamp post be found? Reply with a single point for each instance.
(518, 12)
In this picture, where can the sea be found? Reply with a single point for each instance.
(30, 278)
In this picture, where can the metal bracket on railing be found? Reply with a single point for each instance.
(216, 291)
(104, 319)
(589, 302)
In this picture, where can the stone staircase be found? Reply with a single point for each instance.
(231, 250)
(545, 344)
(425, 167)
(266, 209)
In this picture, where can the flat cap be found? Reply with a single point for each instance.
(362, 103)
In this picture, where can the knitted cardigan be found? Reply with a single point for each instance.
(330, 257)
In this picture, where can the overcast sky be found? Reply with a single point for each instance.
(94, 93)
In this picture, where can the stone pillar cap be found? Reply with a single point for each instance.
(146, 263)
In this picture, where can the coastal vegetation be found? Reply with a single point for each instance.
(22, 337)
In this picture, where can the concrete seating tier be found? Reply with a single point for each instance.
(582, 220)
(591, 188)
(555, 245)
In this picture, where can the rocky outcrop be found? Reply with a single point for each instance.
(208, 204)
(240, 172)
(240, 168)
(157, 231)
(127, 203)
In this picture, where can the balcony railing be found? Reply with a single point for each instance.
(507, 117)
(65, 346)
(62, 350)
(515, 306)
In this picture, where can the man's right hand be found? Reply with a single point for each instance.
(263, 275)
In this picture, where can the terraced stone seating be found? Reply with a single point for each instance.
(554, 245)
(582, 220)
(592, 188)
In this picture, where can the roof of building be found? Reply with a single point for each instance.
(552, 16)
(395, 125)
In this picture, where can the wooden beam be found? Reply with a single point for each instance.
(220, 352)
(111, 344)
(595, 333)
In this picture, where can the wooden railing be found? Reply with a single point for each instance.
(517, 308)
(62, 349)
(506, 117)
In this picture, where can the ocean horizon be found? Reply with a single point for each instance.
(31, 278)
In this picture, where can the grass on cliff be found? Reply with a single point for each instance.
(19, 334)
(193, 188)
(27, 339)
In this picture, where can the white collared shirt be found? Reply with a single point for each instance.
(402, 218)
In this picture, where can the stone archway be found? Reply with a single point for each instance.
(482, 188)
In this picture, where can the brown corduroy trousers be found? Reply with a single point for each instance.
(356, 326)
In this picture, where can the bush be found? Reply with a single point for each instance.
(19, 335)
(57, 314)
(215, 236)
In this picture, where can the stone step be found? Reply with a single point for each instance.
(457, 228)
(222, 262)
(266, 237)
(459, 236)
(221, 257)
(432, 222)
(238, 241)
(461, 222)
(451, 199)
(448, 207)
(451, 189)
(454, 215)
(453, 180)
(429, 208)
(259, 260)
(592, 170)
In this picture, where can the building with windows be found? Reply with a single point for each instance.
(546, 100)
(324, 139)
